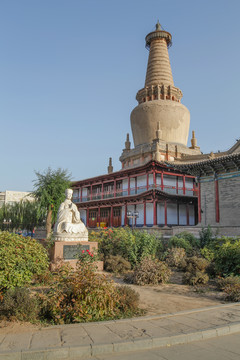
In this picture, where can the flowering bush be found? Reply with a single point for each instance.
(87, 257)
(83, 295)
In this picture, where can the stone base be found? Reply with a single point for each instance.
(156, 150)
(67, 251)
(65, 237)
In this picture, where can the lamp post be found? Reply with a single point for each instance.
(7, 223)
(132, 215)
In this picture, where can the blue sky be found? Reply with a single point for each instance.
(70, 70)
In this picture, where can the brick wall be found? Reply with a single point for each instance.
(229, 202)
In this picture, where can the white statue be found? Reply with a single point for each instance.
(69, 224)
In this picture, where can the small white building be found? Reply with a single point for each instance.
(11, 197)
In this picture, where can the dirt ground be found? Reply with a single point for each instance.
(155, 300)
(174, 296)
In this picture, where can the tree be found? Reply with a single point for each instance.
(50, 187)
(24, 215)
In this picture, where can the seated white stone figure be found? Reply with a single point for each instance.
(68, 217)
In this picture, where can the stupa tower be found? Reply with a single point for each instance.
(159, 109)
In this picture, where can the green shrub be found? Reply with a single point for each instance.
(231, 287)
(175, 257)
(81, 296)
(206, 236)
(208, 253)
(227, 257)
(119, 241)
(117, 264)
(151, 271)
(195, 271)
(192, 240)
(176, 242)
(131, 245)
(18, 304)
(20, 259)
(147, 245)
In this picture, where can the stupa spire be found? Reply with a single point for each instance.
(159, 100)
(159, 69)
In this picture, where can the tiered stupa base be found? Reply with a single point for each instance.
(158, 150)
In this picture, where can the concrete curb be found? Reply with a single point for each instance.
(149, 317)
(88, 351)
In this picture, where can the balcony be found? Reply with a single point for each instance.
(138, 190)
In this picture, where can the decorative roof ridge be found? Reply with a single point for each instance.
(121, 171)
(235, 146)
(213, 160)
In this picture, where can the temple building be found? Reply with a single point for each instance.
(160, 194)
(162, 181)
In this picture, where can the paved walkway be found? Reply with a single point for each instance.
(111, 337)
(218, 348)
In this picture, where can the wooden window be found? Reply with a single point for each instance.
(92, 214)
(104, 213)
(116, 212)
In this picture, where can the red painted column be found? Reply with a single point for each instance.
(187, 213)
(114, 188)
(178, 213)
(147, 181)
(128, 185)
(184, 185)
(217, 201)
(125, 217)
(91, 193)
(87, 220)
(111, 218)
(144, 214)
(81, 195)
(162, 185)
(155, 212)
(136, 185)
(98, 215)
(165, 212)
(102, 190)
(199, 203)
(154, 178)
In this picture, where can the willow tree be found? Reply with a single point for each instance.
(49, 190)
(23, 215)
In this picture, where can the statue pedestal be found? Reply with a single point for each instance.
(65, 237)
(67, 251)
